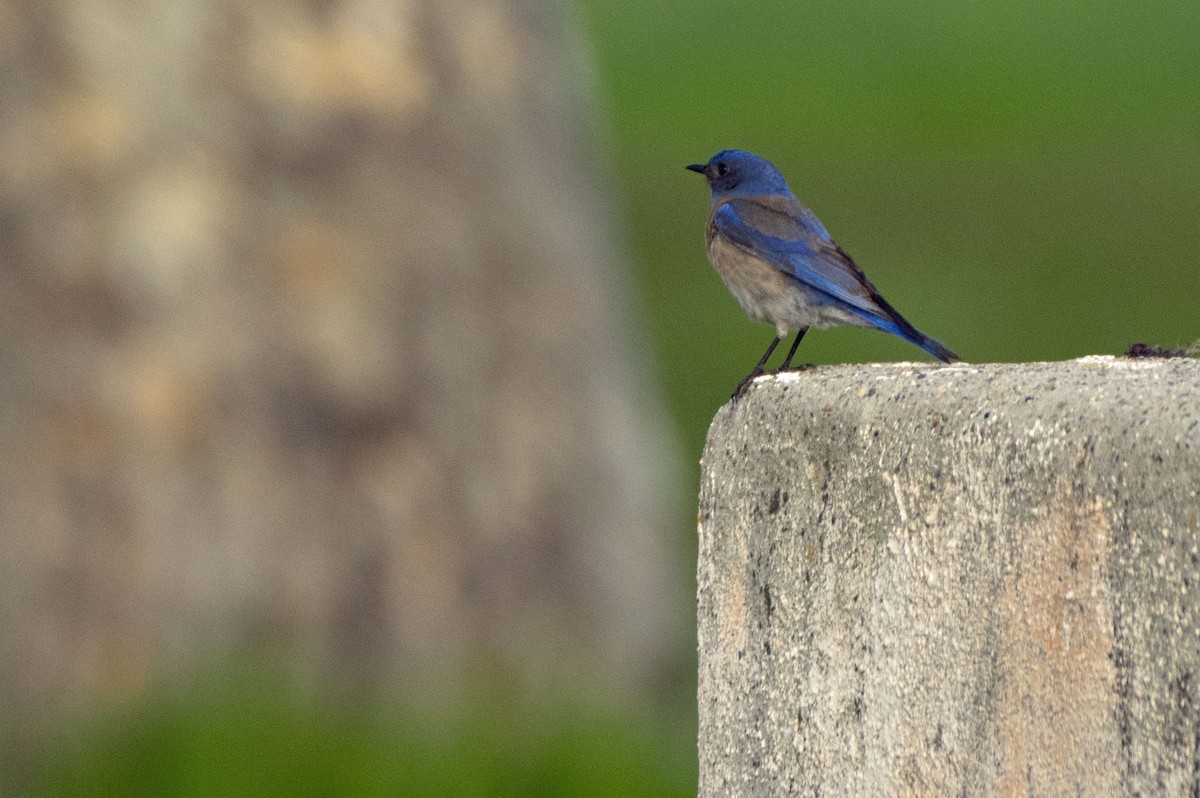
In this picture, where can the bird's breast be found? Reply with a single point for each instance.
(768, 294)
(763, 291)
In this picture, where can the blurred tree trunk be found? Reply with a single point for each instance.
(314, 340)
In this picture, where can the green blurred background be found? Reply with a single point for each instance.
(1022, 181)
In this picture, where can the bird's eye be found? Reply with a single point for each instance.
(722, 169)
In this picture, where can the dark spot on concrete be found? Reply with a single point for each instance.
(1124, 690)
(1149, 350)
(773, 508)
(766, 591)
(1181, 686)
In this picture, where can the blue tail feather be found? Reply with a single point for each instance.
(898, 326)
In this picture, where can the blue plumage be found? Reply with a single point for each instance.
(781, 264)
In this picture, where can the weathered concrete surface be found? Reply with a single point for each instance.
(953, 580)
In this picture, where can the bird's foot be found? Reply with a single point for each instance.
(799, 367)
(745, 383)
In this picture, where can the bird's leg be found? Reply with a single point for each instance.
(787, 361)
(758, 369)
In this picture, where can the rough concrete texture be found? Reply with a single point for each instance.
(953, 580)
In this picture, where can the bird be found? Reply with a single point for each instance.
(781, 264)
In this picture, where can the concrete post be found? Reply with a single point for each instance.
(953, 580)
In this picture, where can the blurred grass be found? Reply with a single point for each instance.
(246, 731)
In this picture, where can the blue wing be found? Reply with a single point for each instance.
(781, 231)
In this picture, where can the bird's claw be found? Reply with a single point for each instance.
(745, 384)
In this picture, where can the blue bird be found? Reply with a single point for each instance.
(780, 263)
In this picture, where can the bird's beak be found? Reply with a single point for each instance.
(697, 167)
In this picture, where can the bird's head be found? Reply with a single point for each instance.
(740, 172)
